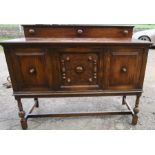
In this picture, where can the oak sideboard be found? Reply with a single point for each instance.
(76, 60)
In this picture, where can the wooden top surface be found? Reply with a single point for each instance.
(77, 25)
(74, 41)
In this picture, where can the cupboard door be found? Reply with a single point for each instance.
(78, 69)
(32, 71)
(124, 68)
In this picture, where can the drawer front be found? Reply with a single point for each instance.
(31, 69)
(77, 31)
(124, 68)
(78, 69)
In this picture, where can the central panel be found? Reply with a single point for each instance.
(79, 70)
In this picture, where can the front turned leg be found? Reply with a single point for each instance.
(36, 102)
(22, 114)
(123, 100)
(136, 110)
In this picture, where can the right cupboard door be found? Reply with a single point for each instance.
(125, 66)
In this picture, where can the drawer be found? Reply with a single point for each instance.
(59, 31)
(124, 68)
(77, 68)
(31, 69)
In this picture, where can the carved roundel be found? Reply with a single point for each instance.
(79, 69)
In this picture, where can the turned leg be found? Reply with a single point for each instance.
(36, 102)
(136, 110)
(123, 100)
(22, 114)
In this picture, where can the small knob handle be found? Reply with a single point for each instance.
(126, 32)
(124, 69)
(79, 69)
(31, 31)
(32, 70)
(68, 80)
(90, 58)
(67, 58)
(90, 80)
(79, 31)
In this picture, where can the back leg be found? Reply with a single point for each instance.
(123, 100)
(36, 102)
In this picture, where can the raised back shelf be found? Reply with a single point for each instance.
(78, 31)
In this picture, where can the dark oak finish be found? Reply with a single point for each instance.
(82, 31)
(97, 61)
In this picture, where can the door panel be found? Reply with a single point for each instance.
(78, 69)
(32, 68)
(124, 68)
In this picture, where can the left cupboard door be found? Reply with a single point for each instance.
(32, 69)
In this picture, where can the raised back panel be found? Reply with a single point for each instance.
(60, 31)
